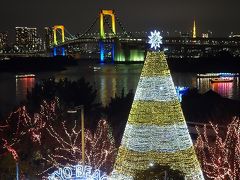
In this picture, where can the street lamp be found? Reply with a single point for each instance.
(73, 111)
(17, 171)
(151, 164)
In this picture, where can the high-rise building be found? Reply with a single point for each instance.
(21, 38)
(3, 40)
(204, 35)
(48, 38)
(33, 40)
(194, 29)
(156, 132)
(27, 39)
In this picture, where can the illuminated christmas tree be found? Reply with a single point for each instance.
(156, 131)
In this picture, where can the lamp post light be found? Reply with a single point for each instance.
(151, 164)
(75, 110)
(17, 171)
(155, 167)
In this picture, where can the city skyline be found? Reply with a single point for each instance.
(217, 16)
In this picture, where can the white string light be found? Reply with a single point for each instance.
(156, 89)
(144, 138)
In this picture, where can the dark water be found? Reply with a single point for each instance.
(108, 79)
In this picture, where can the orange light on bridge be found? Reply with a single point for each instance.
(55, 28)
(107, 13)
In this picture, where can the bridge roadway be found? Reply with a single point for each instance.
(167, 41)
(107, 40)
(3, 56)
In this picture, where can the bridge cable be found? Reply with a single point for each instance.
(89, 28)
(73, 37)
(66, 38)
(122, 27)
(108, 24)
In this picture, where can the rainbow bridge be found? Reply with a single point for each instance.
(106, 44)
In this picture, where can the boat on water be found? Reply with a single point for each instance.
(221, 80)
(217, 75)
(228, 74)
(96, 68)
(25, 76)
(208, 75)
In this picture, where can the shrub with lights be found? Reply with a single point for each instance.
(219, 153)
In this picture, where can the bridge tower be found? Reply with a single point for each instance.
(103, 43)
(113, 28)
(58, 51)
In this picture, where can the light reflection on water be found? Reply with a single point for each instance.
(111, 80)
(203, 84)
(225, 89)
(22, 86)
(108, 79)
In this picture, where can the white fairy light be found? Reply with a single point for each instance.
(144, 138)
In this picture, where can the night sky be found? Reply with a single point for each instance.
(219, 16)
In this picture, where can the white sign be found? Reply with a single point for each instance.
(78, 172)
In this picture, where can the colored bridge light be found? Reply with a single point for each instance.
(55, 42)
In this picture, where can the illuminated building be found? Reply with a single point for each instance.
(156, 131)
(27, 39)
(184, 35)
(3, 40)
(187, 47)
(21, 38)
(194, 29)
(204, 35)
(35, 43)
(48, 38)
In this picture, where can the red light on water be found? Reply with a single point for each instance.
(24, 83)
(223, 88)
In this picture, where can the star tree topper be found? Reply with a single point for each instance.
(155, 39)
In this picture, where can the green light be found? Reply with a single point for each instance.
(136, 55)
(120, 56)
